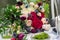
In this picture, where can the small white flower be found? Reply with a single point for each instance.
(31, 9)
(23, 6)
(9, 25)
(47, 27)
(43, 20)
(32, 4)
(17, 10)
(18, 32)
(29, 22)
(39, 14)
(36, 6)
(42, 10)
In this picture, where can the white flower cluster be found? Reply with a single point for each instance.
(30, 7)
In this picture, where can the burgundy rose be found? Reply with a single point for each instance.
(19, 3)
(23, 18)
(33, 31)
(20, 36)
(40, 3)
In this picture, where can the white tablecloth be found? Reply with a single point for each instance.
(52, 37)
(0, 37)
(29, 37)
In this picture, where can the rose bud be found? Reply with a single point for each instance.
(33, 31)
(39, 4)
(23, 18)
(19, 3)
(20, 36)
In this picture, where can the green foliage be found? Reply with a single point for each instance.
(37, 1)
(0, 30)
(25, 37)
(3, 24)
(7, 37)
(12, 13)
(41, 36)
(46, 7)
(28, 1)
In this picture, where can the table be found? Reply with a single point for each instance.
(52, 35)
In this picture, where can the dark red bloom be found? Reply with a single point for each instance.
(40, 3)
(20, 36)
(19, 3)
(23, 18)
(36, 22)
(13, 39)
(33, 31)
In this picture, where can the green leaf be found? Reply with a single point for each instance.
(46, 7)
(0, 30)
